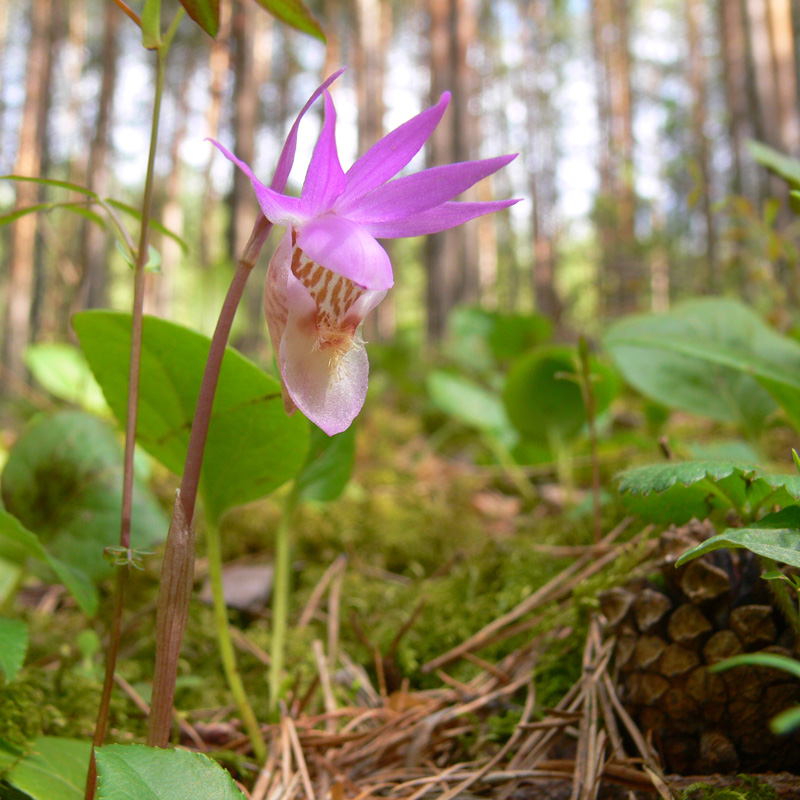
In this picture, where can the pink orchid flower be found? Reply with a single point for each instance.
(329, 272)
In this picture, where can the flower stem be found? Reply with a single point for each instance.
(226, 651)
(280, 596)
(130, 426)
(169, 638)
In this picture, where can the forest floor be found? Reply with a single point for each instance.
(447, 641)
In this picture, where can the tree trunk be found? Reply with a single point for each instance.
(782, 52)
(615, 215)
(695, 12)
(451, 256)
(542, 154)
(95, 241)
(21, 267)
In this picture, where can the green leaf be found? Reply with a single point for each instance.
(773, 660)
(470, 404)
(127, 771)
(252, 446)
(205, 13)
(713, 357)
(515, 334)
(151, 24)
(13, 216)
(17, 544)
(13, 646)
(677, 492)
(73, 187)
(294, 13)
(55, 769)
(329, 465)
(544, 404)
(154, 223)
(786, 721)
(63, 479)
(775, 536)
(63, 371)
(782, 165)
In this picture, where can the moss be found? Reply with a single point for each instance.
(750, 788)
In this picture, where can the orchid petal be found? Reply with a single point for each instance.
(441, 218)
(421, 191)
(388, 156)
(329, 394)
(346, 249)
(276, 306)
(289, 148)
(277, 208)
(325, 179)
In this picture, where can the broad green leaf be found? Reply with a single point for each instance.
(775, 536)
(329, 465)
(54, 769)
(294, 13)
(677, 492)
(63, 371)
(252, 446)
(543, 403)
(18, 544)
(10, 574)
(713, 357)
(63, 479)
(205, 13)
(515, 334)
(13, 646)
(10, 755)
(469, 403)
(73, 187)
(128, 771)
(785, 166)
(467, 343)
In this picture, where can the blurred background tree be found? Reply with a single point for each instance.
(631, 117)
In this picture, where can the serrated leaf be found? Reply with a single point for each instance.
(713, 357)
(775, 536)
(205, 13)
(63, 479)
(252, 446)
(17, 544)
(329, 465)
(54, 769)
(296, 14)
(677, 492)
(13, 646)
(150, 773)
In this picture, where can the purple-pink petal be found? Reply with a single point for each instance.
(346, 249)
(388, 156)
(325, 179)
(419, 192)
(441, 218)
(278, 208)
(329, 394)
(286, 158)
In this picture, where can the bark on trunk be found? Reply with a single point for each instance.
(20, 285)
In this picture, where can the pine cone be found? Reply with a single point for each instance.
(670, 630)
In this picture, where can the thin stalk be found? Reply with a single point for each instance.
(280, 596)
(590, 405)
(173, 601)
(783, 598)
(130, 425)
(226, 652)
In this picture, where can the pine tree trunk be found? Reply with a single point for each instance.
(95, 241)
(695, 17)
(21, 262)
